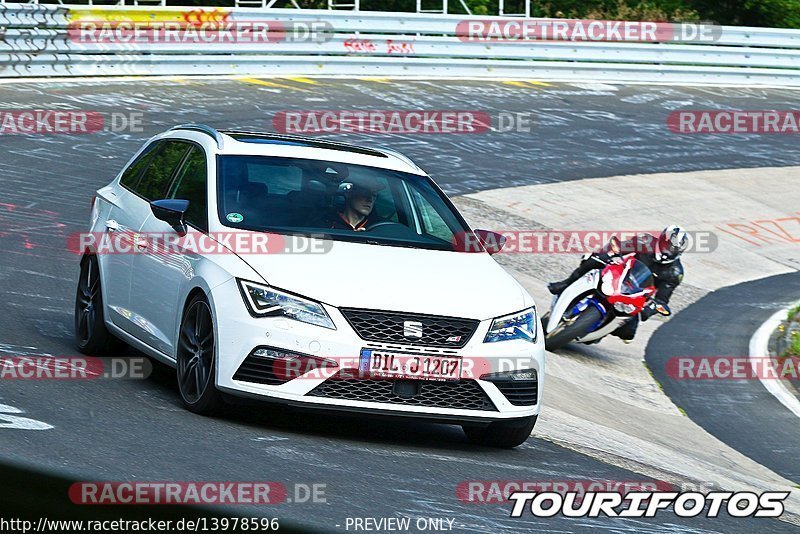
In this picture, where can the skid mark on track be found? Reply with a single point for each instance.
(45, 275)
(270, 438)
(21, 350)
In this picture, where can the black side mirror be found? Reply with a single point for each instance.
(172, 212)
(492, 241)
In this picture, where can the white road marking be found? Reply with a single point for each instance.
(759, 348)
(19, 423)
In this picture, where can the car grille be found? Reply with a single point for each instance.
(519, 392)
(386, 327)
(259, 371)
(462, 395)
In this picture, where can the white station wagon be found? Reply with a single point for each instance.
(310, 273)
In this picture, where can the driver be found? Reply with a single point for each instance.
(359, 200)
(660, 254)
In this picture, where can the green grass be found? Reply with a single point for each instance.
(794, 345)
(792, 312)
(647, 367)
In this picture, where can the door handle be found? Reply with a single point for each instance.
(112, 226)
(141, 242)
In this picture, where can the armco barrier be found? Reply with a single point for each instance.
(35, 41)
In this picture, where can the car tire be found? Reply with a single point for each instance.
(196, 359)
(91, 335)
(501, 434)
(558, 338)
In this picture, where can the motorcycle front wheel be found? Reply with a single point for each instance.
(579, 327)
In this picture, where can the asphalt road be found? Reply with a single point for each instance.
(741, 413)
(136, 429)
(574, 131)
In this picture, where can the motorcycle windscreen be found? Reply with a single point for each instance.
(638, 278)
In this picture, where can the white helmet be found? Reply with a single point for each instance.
(672, 242)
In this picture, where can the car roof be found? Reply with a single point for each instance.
(236, 142)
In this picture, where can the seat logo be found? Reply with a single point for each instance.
(412, 329)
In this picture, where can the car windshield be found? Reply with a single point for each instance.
(638, 278)
(338, 200)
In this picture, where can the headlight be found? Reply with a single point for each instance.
(264, 301)
(521, 325)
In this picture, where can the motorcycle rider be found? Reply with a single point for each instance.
(660, 254)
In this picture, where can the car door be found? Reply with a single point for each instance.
(160, 273)
(120, 223)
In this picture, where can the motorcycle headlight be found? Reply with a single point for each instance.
(264, 301)
(521, 325)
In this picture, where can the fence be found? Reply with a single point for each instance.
(50, 40)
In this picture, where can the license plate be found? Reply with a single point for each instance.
(381, 364)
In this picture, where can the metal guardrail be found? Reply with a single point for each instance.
(35, 40)
(57, 41)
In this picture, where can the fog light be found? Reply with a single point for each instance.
(290, 365)
(525, 375)
(275, 355)
(521, 374)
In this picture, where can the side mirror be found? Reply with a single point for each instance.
(172, 212)
(663, 309)
(492, 241)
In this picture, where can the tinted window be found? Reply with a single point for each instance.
(338, 200)
(279, 179)
(130, 178)
(156, 179)
(432, 221)
(190, 184)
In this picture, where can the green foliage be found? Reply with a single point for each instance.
(767, 13)
(770, 13)
(794, 347)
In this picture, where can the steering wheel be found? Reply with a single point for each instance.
(385, 223)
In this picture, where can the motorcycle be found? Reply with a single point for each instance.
(601, 301)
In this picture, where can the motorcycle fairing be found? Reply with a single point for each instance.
(561, 303)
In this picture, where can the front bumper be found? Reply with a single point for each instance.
(470, 399)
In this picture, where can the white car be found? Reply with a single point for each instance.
(367, 301)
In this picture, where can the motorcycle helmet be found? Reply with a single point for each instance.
(672, 242)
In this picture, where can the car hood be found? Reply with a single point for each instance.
(359, 275)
